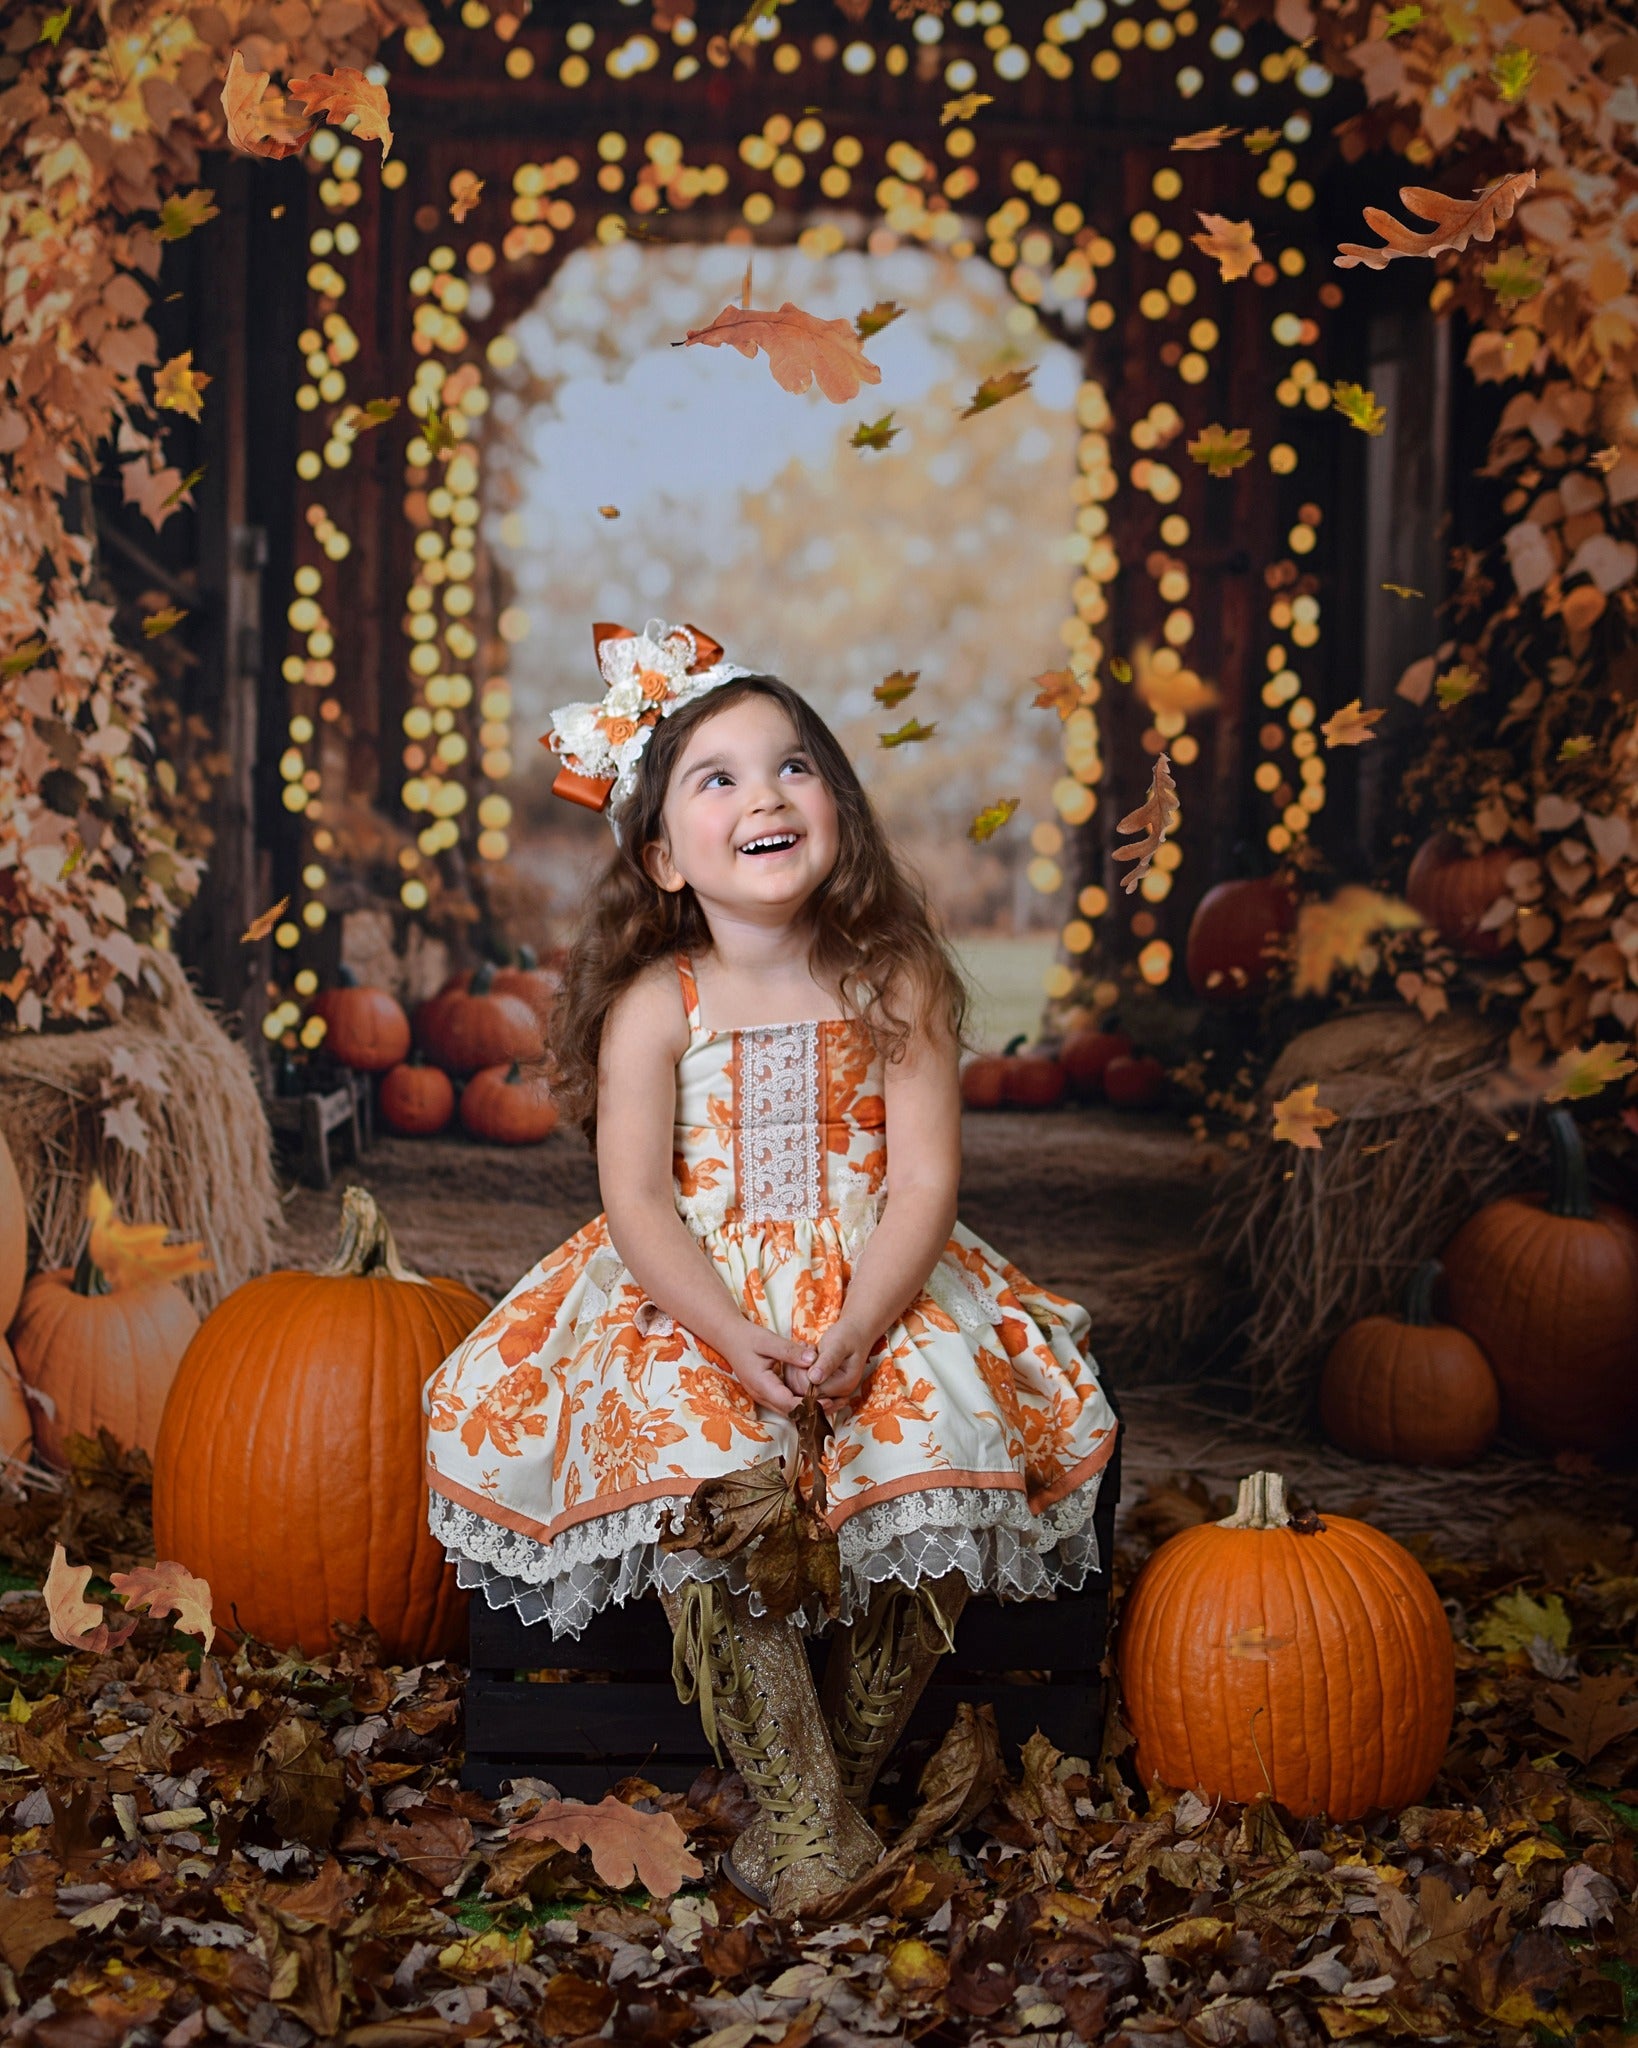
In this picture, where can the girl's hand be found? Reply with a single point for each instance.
(758, 1358)
(842, 1362)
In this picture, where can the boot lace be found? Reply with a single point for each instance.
(902, 1624)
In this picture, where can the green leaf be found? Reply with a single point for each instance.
(1511, 72)
(438, 434)
(1515, 1620)
(185, 211)
(1515, 277)
(51, 29)
(1402, 19)
(1359, 407)
(1626, 1814)
(877, 434)
(994, 390)
(194, 476)
(1455, 686)
(22, 658)
(909, 733)
(874, 318)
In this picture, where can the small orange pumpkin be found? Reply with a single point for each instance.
(1453, 889)
(1134, 1080)
(463, 1030)
(508, 1107)
(1409, 1389)
(1086, 1056)
(1547, 1287)
(365, 1028)
(291, 1465)
(16, 1424)
(13, 1236)
(417, 1101)
(1308, 1661)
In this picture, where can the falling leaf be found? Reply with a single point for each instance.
(874, 318)
(1455, 686)
(1350, 727)
(183, 488)
(627, 1845)
(1511, 70)
(260, 926)
(964, 108)
(438, 433)
(354, 420)
(1459, 222)
(1120, 668)
(895, 688)
(801, 348)
(991, 818)
(155, 492)
(51, 29)
(130, 1254)
(1341, 932)
(994, 390)
(1586, 1718)
(1204, 138)
(1300, 1116)
(1221, 450)
(1231, 245)
(1604, 459)
(179, 387)
(608, 511)
(1261, 140)
(1515, 277)
(1058, 689)
(257, 124)
(182, 212)
(21, 659)
(1580, 1073)
(1359, 407)
(1154, 818)
(465, 190)
(74, 1620)
(877, 434)
(909, 733)
(169, 1588)
(1576, 747)
(1402, 590)
(1402, 19)
(340, 94)
(164, 621)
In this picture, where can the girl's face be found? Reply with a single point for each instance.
(749, 826)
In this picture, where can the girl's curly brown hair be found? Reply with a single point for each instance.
(874, 937)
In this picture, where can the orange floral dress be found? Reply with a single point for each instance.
(577, 1416)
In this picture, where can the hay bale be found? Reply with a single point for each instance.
(1324, 1237)
(207, 1170)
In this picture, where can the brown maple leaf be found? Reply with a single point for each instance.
(169, 1588)
(1155, 817)
(627, 1846)
(1231, 244)
(802, 350)
(257, 121)
(342, 93)
(1586, 1718)
(1460, 221)
(1057, 689)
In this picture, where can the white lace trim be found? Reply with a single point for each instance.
(988, 1534)
(780, 1167)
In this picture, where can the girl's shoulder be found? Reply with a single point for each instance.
(651, 1010)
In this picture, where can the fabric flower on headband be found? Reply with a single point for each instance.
(648, 676)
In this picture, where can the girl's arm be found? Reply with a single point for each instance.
(644, 1035)
(924, 1153)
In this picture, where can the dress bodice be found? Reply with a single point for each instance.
(777, 1121)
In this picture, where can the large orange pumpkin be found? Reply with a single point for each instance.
(96, 1357)
(365, 1028)
(1453, 889)
(13, 1236)
(1307, 1661)
(16, 1424)
(1547, 1286)
(1236, 927)
(291, 1467)
(463, 1029)
(1409, 1389)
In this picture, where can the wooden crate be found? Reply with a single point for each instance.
(615, 1712)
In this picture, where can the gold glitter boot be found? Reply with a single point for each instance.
(756, 1698)
(877, 1670)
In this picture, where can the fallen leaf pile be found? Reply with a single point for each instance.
(244, 1843)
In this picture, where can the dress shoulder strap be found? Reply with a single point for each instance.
(690, 990)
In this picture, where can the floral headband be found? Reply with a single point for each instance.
(649, 675)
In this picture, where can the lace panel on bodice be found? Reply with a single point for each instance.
(781, 1141)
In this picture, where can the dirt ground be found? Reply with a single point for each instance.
(1080, 1199)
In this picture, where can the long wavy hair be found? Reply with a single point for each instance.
(873, 934)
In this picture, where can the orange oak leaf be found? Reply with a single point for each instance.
(74, 1620)
(1057, 689)
(626, 1845)
(127, 1254)
(1204, 138)
(1460, 221)
(1300, 1117)
(169, 1588)
(260, 925)
(465, 190)
(257, 122)
(802, 350)
(179, 387)
(342, 93)
(1350, 727)
(1231, 244)
(1155, 817)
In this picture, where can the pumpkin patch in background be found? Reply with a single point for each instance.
(1453, 889)
(1134, 1081)
(508, 1107)
(290, 1467)
(1305, 1660)
(1409, 1389)
(463, 1029)
(365, 1028)
(1086, 1056)
(417, 1100)
(97, 1346)
(1234, 935)
(1015, 1078)
(1547, 1286)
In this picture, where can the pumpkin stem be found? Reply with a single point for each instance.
(89, 1278)
(1014, 1045)
(1419, 1293)
(513, 1074)
(365, 1246)
(1261, 1504)
(345, 977)
(1572, 1191)
(484, 980)
(527, 956)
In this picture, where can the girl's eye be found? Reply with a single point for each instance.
(798, 764)
(717, 775)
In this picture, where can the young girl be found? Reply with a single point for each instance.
(758, 1016)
